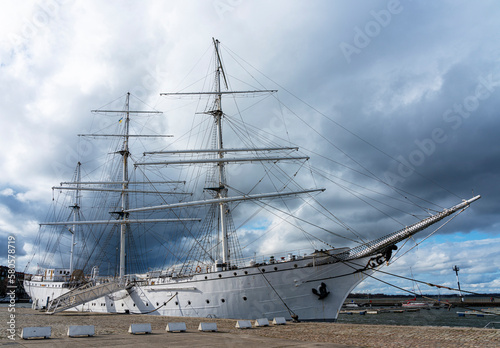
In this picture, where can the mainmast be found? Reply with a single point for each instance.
(222, 190)
(221, 198)
(124, 195)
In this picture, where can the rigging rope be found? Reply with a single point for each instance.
(336, 123)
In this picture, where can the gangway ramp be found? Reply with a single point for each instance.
(83, 294)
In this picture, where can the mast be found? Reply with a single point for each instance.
(218, 181)
(121, 189)
(124, 195)
(125, 153)
(222, 190)
(456, 269)
(76, 211)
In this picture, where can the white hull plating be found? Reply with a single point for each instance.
(271, 290)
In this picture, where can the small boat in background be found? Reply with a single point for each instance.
(414, 304)
(351, 305)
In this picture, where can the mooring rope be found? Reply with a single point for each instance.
(294, 316)
(154, 310)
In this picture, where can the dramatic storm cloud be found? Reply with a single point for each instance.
(408, 89)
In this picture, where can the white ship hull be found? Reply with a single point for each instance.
(247, 293)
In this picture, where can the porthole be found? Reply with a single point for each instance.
(222, 300)
(275, 268)
(246, 272)
(244, 298)
(157, 304)
(208, 301)
(263, 270)
(220, 275)
(164, 303)
(206, 277)
(134, 304)
(295, 265)
(189, 302)
(176, 303)
(111, 305)
(147, 304)
(123, 304)
(235, 273)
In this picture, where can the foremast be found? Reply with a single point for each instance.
(123, 210)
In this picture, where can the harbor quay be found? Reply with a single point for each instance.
(111, 330)
(445, 301)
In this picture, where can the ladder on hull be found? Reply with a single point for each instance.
(83, 294)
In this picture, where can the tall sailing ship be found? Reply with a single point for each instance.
(156, 232)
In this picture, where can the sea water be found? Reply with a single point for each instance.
(423, 317)
(18, 305)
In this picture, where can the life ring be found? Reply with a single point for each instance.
(198, 269)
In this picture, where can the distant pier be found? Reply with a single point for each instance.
(446, 301)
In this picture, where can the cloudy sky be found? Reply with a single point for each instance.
(417, 81)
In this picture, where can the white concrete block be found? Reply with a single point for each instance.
(262, 322)
(279, 321)
(81, 330)
(140, 328)
(172, 327)
(207, 327)
(35, 332)
(243, 324)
